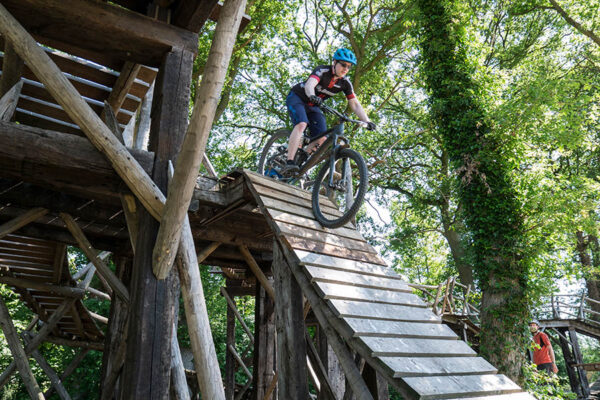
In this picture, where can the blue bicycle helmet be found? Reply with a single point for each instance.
(345, 55)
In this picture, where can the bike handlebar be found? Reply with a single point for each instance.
(343, 117)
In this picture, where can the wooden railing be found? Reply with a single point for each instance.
(450, 298)
(569, 307)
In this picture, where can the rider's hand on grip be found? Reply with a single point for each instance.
(371, 126)
(316, 100)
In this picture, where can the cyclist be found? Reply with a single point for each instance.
(305, 98)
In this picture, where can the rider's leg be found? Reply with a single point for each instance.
(295, 140)
(318, 125)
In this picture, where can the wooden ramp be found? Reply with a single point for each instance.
(371, 308)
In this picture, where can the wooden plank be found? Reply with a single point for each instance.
(298, 209)
(342, 264)
(413, 347)
(21, 221)
(440, 387)
(371, 327)
(387, 312)
(305, 200)
(25, 256)
(512, 396)
(355, 279)
(8, 102)
(271, 187)
(332, 250)
(282, 216)
(31, 241)
(348, 292)
(24, 117)
(12, 69)
(325, 237)
(192, 14)
(424, 366)
(113, 30)
(15, 247)
(29, 284)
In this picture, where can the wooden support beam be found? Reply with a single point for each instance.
(291, 342)
(142, 129)
(326, 320)
(21, 221)
(122, 86)
(48, 370)
(100, 318)
(264, 343)
(229, 380)
(116, 336)
(192, 14)
(84, 344)
(192, 150)
(237, 314)
(65, 291)
(585, 386)
(153, 303)
(110, 119)
(205, 355)
(20, 356)
(178, 379)
(12, 70)
(69, 370)
(569, 361)
(33, 155)
(80, 112)
(8, 102)
(325, 390)
(39, 337)
(92, 255)
(101, 27)
(260, 275)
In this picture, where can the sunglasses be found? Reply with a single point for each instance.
(345, 65)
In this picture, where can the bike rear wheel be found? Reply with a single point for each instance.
(274, 154)
(348, 192)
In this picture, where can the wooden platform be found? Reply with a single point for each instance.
(375, 312)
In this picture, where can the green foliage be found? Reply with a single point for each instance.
(544, 386)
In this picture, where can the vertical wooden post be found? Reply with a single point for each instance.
(291, 344)
(10, 333)
(229, 359)
(116, 335)
(152, 305)
(332, 365)
(264, 343)
(12, 68)
(377, 385)
(585, 386)
(569, 361)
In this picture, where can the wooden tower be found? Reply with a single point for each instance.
(84, 85)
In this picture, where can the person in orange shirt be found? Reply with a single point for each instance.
(543, 354)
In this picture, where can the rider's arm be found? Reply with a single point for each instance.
(309, 86)
(357, 109)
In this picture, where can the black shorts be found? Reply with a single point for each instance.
(546, 367)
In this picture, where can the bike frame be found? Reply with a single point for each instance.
(331, 145)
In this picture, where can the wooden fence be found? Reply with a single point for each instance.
(569, 307)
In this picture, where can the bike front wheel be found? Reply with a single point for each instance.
(346, 190)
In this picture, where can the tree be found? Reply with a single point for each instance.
(492, 210)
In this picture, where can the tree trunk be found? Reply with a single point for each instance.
(492, 211)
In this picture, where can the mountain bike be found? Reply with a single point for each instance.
(342, 178)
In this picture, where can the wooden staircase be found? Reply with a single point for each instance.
(370, 307)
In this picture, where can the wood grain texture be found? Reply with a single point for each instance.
(405, 347)
(388, 312)
(439, 387)
(111, 30)
(355, 279)
(438, 365)
(332, 250)
(373, 327)
(343, 264)
(348, 292)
